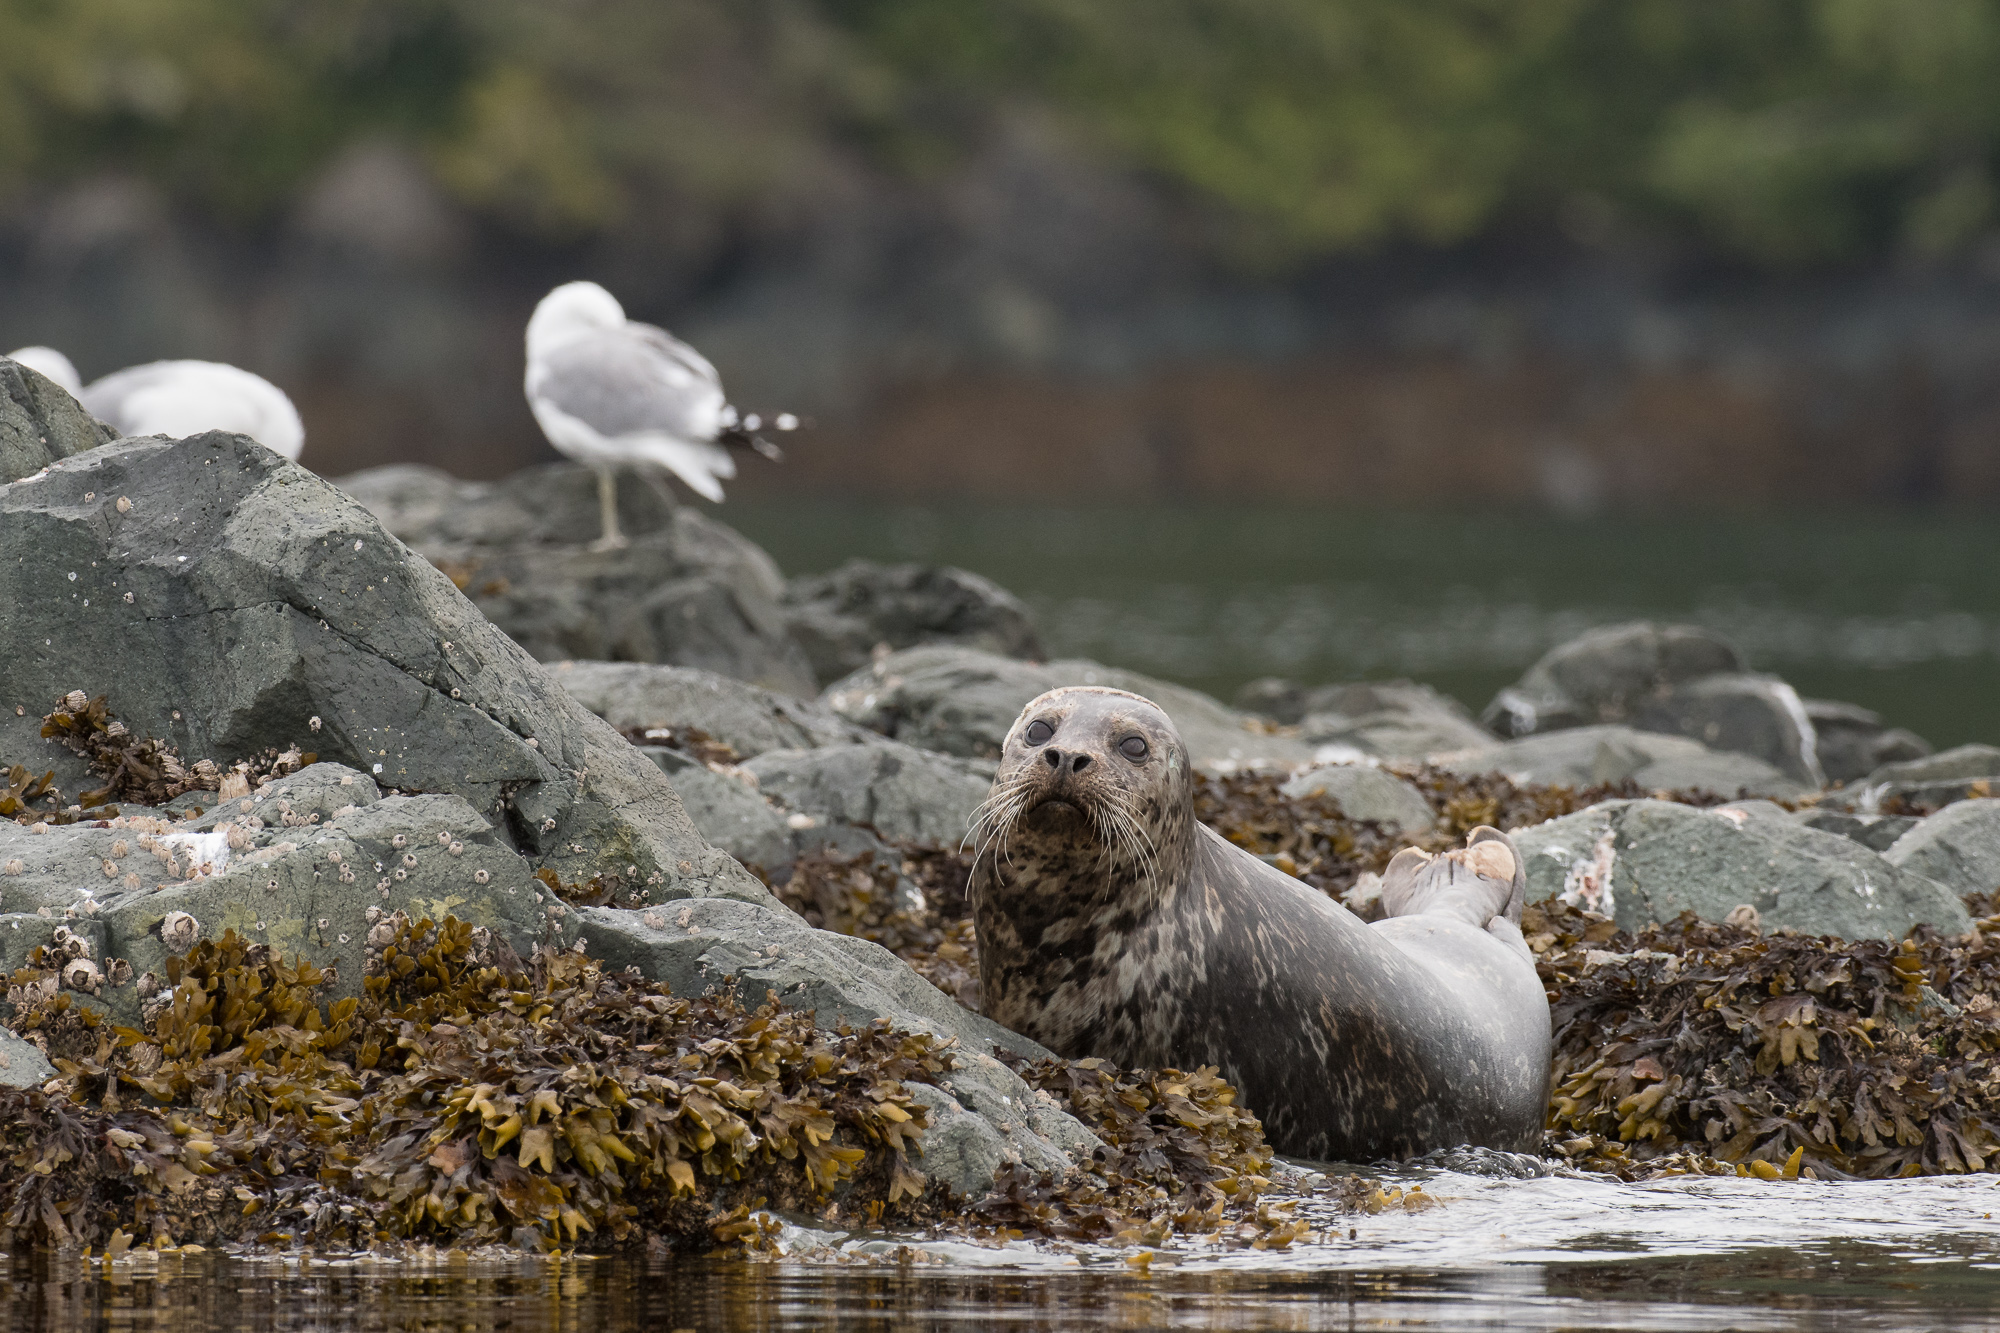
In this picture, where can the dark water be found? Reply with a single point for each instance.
(1492, 1251)
(1897, 610)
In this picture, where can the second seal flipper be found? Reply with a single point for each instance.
(1482, 884)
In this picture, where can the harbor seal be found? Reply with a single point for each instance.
(1112, 924)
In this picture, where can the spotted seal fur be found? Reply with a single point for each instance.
(1112, 924)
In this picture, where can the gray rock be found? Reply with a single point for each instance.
(1391, 719)
(728, 811)
(1958, 847)
(1740, 713)
(40, 423)
(1853, 742)
(1876, 832)
(687, 590)
(336, 636)
(840, 618)
(1605, 675)
(21, 1065)
(1366, 792)
(1931, 782)
(985, 1115)
(902, 792)
(1589, 756)
(642, 696)
(293, 871)
(1647, 861)
(962, 701)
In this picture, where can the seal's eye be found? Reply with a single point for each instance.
(1133, 748)
(1038, 732)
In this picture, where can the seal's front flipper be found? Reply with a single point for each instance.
(1482, 883)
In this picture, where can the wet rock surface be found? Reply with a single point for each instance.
(1606, 675)
(689, 703)
(687, 590)
(1366, 793)
(242, 603)
(1958, 847)
(1588, 756)
(1853, 741)
(961, 701)
(1742, 714)
(1642, 862)
(1396, 719)
(840, 619)
(898, 790)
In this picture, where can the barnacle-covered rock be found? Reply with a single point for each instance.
(228, 553)
(1639, 862)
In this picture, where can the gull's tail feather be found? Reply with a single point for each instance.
(701, 466)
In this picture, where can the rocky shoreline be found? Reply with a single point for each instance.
(350, 897)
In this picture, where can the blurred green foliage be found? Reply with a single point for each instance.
(1791, 132)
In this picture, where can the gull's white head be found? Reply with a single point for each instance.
(50, 365)
(573, 308)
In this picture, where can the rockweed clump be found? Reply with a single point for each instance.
(466, 1097)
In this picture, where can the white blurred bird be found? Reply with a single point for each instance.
(611, 393)
(50, 365)
(180, 398)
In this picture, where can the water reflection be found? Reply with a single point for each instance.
(1850, 1286)
(1558, 1252)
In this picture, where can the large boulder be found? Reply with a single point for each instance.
(1741, 713)
(962, 701)
(1594, 756)
(985, 1115)
(841, 619)
(1853, 741)
(687, 590)
(687, 702)
(901, 792)
(227, 601)
(40, 423)
(1606, 675)
(1364, 792)
(1958, 847)
(1646, 861)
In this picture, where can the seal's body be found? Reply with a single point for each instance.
(1111, 924)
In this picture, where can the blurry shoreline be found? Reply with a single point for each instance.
(1887, 607)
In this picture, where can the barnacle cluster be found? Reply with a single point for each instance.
(466, 1096)
(141, 770)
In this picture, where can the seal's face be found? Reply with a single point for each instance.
(1093, 787)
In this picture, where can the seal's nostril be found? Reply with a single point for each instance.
(1078, 764)
(1054, 757)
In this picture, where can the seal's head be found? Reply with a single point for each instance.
(1092, 796)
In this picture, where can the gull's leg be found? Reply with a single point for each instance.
(607, 501)
(657, 479)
